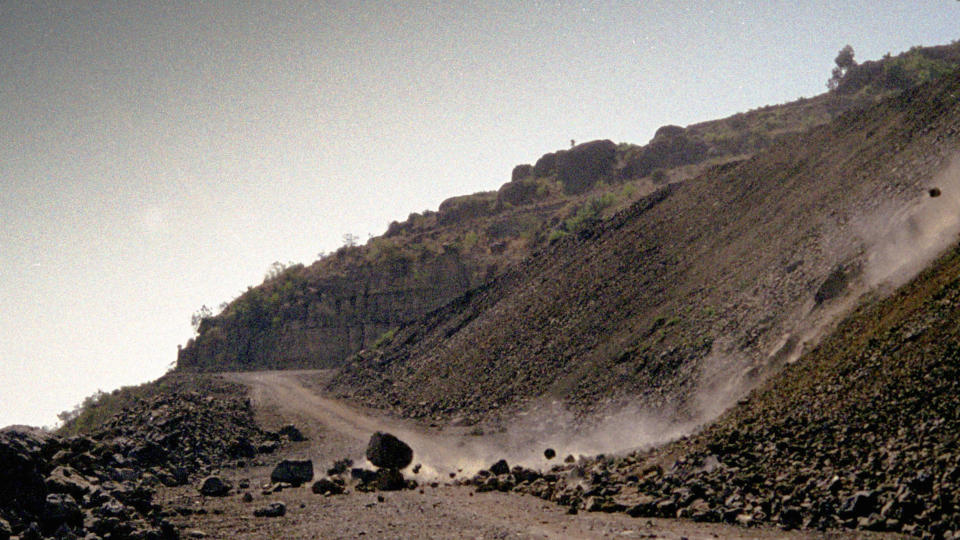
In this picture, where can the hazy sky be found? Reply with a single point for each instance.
(158, 156)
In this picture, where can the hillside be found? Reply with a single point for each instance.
(319, 315)
(687, 298)
(858, 433)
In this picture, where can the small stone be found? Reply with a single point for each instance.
(247, 497)
(277, 509)
(214, 486)
(549, 453)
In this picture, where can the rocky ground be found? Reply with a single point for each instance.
(105, 485)
(860, 434)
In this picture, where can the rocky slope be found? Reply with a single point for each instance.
(860, 433)
(687, 298)
(319, 315)
(104, 484)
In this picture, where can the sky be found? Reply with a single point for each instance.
(159, 156)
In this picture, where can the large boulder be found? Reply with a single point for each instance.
(546, 165)
(292, 471)
(579, 168)
(388, 452)
(521, 171)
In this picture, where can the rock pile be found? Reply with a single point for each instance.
(104, 485)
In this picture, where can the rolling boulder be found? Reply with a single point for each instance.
(388, 452)
(292, 471)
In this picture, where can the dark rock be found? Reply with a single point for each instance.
(22, 451)
(581, 167)
(390, 480)
(569, 459)
(340, 466)
(326, 486)
(214, 486)
(247, 497)
(277, 509)
(5, 530)
(294, 472)
(292, 433)
(934, 192)
(149, 454)
(242, 448)
(59, 509)
(521, 171)
(521, 192)
(388, 452)
(500, 467)
(65, 479)
(861, 504)
(364, 476)
(268, 447)
(546, 165)
(549, 453)
(833, 286)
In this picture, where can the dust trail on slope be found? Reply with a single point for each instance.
(892, 244)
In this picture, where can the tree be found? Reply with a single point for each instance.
(844, 63)
(202, 314)
(350, 240)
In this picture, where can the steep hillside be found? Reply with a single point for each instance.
(859, 433)
(317, 316)
(689, 296)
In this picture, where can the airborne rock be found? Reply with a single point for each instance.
(388, 452)
(293, 472)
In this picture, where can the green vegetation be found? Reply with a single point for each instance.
(95, 410)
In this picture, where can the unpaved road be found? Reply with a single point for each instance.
(336, 430)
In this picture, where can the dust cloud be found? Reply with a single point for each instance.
(903, 242)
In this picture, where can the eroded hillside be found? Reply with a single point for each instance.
(684, 300)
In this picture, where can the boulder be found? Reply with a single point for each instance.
(214, 486)
(549, 453)
(277, 509)
(388, 452)
(60, 509)
(546, 165)
(579, 168)
(325, 486)
(292, 471)
(500, 467)
(390, 480)
(521, 171)
(65, 479)
(520, 192)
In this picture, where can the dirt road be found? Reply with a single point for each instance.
(336, 430)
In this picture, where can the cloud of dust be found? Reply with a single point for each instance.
(901, 243)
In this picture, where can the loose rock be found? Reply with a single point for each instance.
(386, 451)
(293, 472)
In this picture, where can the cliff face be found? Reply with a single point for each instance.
(310, 318)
